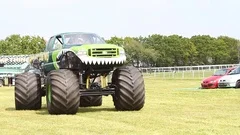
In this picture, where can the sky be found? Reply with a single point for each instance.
(120, 18)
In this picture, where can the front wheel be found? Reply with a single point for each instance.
(238, 84)
(130, 89)
(62, 92)
(28, 95)
(1, 83)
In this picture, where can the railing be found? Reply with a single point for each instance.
(184, 72)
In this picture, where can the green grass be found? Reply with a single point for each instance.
(171, 107)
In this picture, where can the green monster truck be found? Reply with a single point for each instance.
(75, 70)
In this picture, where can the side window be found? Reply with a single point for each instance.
(96, 40)
(238, 70)
(50, 43)
(57, 43)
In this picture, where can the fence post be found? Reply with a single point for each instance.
(193, 74)
(203, 73)
(163, 74)
(183, 74)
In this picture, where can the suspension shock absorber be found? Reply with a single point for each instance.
(87, 81)
(102, 83)
(104, 80)
(81, 80)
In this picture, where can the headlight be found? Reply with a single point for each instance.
(212, 81)
(82, 53)
(122, 52)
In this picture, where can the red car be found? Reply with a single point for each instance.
(212, 81)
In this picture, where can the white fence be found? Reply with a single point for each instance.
(184, 72)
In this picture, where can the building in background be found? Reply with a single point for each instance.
(10, 66)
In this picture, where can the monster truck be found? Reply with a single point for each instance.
(76, 70)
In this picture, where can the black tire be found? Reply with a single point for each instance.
(62, 92)
(130, 89)
(1, 82)
(238, 84)
(28, 92)
(87, 101)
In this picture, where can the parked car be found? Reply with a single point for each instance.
(212, 81)
(232, 80)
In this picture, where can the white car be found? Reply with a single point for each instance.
(232, 80)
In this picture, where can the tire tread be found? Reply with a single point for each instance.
(130, 92)
(65, 92)
(28, 92)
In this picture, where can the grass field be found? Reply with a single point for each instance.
(171, 107)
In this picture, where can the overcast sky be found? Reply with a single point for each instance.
(120, 17)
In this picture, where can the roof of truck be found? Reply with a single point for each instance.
(65, 33)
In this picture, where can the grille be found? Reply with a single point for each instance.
(103, 52)
(222, 84)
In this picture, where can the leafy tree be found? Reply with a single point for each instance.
(232, 49)
(115, 40)
(149, 57)
(220, 52)
(133, 50)
(204, 46)
(15, 44)
(156, 42)
(3, 47)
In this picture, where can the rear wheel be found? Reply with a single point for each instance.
(1, 83)
(87, 101)
(62, 92)
(28, 92)
(130, 91)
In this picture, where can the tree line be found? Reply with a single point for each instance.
(16, 44)
(153, 50)
(174, 50)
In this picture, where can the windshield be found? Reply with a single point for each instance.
(235, 71)
(82, 38)
(220, 72)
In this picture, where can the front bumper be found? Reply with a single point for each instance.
(102, 61)
(226, 84)
(209, 85)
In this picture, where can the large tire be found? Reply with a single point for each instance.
(1, 82)
(87, 101)
(28, 92)
(62, 92)
(130, 89)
